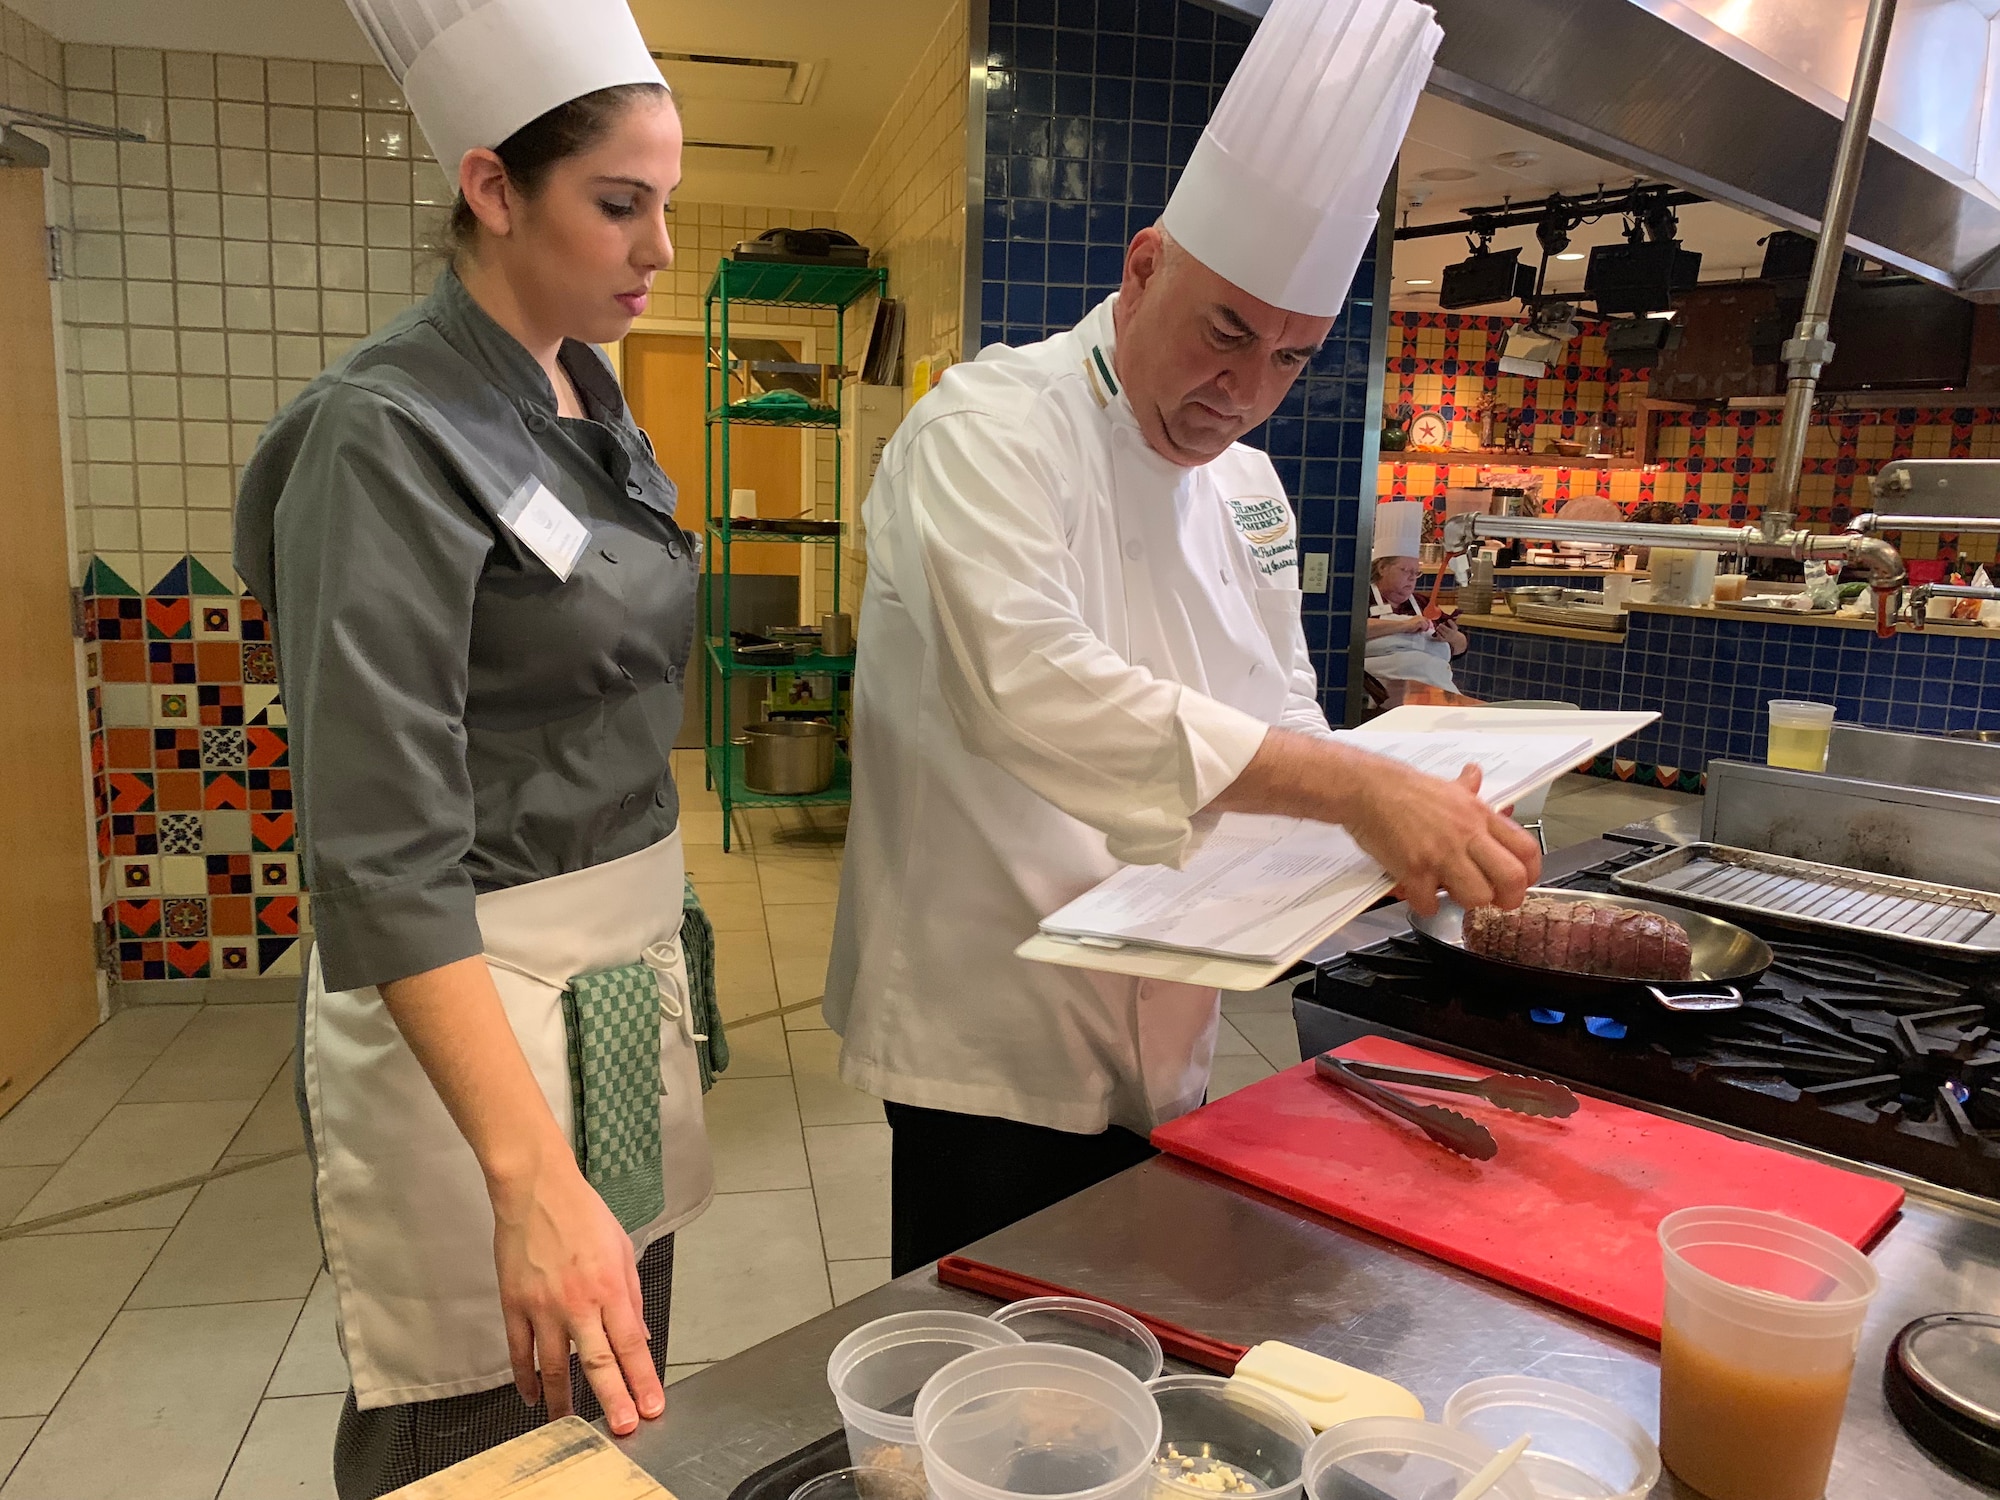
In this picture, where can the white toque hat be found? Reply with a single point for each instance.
(1279, 196)
(476, 71)
(1399, 529)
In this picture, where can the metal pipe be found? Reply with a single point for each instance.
(1809, 349)
(1872, 524)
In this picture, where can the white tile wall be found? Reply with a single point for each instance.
(277, 211)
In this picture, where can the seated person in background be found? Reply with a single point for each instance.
(1403, 646)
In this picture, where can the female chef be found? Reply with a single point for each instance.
(484, 609)
(1403, 646)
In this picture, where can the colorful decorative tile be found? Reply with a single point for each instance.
(251, 620)
(218, 661)
(178, 791)
(173, 584)
(204, 584)
(124, 704)
(175, 707)
(221, 703)
(171, 662)
(122, 661)
(183, 875)
(120, 619)
(186, 960)
(177, 749)
(275, 873)
(138, 919)
(274, 832)
(184, 918)
(278, 957)
(215, 620)
(265, 747)
(135, 877)
(169, 619)
(180, 833)
(278, 916)
(129, 749)
(260, 662)
(224, 789)
(228, 874)
(223, 749)
(140, 960)
(130, 792)
(134, 834)
(270, 791)
(230, 916)
(234, 961)
(102, 579)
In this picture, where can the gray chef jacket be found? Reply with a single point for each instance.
(462, 720)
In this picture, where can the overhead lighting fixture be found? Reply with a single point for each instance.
(1570, 255)
(1447, 174)
(1513, 161)
(1644, 274)
(1663, 316)
(1416, 281)
(1486, 276)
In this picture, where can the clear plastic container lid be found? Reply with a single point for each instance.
(1223, 1439)
(877, 1371)
(1400, 1458)
(1582, 1447)
(1082, 1324)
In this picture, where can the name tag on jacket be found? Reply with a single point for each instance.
(545, 526)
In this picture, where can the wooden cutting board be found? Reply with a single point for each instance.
(1568, 1211)
(566, 1460)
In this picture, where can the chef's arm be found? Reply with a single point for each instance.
(1030, 686)
(1427, 833)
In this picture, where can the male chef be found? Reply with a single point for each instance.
(1082, 629)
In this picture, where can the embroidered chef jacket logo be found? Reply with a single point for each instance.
(1267, 526)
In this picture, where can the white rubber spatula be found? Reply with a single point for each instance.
(1324, 1391)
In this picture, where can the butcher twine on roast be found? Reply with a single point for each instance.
(1581, 937)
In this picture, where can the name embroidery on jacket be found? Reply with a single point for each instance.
(1267, 526)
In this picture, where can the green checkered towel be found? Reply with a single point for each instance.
(711, 1050)
(611, 1020)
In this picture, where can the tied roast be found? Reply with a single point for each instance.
(1581, 937)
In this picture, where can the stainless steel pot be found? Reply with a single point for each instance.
(788, 757)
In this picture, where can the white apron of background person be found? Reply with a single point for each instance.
(404, 1215)
(1411, 656)
(1069, 644)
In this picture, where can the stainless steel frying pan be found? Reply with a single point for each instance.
(1725, 960)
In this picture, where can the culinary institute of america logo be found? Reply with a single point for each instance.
(1267, 526)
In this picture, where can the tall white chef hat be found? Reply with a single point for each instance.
(1399, 528)
(1279, 196)
(476, 71)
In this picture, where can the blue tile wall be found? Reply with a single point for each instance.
(1092, 108)
(1710, 679)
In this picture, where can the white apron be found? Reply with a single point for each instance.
(1410, 658)
(404, 1215)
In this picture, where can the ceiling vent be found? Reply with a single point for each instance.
(736, 156)
(746, 80)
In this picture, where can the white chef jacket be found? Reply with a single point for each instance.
(1069, 646)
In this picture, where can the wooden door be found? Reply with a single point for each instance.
(48, 979)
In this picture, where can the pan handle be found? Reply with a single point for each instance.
(1725, 997)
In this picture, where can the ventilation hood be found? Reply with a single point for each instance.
(1666, 88)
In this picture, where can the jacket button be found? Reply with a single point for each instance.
(1133, 550)
(630, 798)
(633, 487)
(660, 797)
(537, 422)
(607, 554)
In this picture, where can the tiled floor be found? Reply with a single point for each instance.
(165, 1331)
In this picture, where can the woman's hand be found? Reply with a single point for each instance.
(567, 1275)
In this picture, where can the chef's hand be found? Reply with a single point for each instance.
(1429, 833)
(567, 1275)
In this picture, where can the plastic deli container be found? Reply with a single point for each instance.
(1225, 1438)
(1400, 1458)
(1800, 734)
(1083, 1324)
(863, 1484)
(1581, 1447)
(1040, 1420)
(877, 1371)
(1762, 1317)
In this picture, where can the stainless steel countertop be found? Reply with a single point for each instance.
(1223, 1258)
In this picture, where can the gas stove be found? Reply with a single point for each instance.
(1839, 1048)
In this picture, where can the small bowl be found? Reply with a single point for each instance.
(1082, 1324)
(1400, 1458)
(1210, 1422)
(1581, 1447)
(864, 1483)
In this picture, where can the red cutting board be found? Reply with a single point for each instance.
(1568, 1210)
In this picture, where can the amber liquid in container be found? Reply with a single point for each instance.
(1737, 1433)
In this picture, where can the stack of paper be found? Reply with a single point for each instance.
(1257, 891)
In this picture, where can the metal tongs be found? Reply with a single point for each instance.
(1451, 1130)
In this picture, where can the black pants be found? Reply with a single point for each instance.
(957, 1178)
